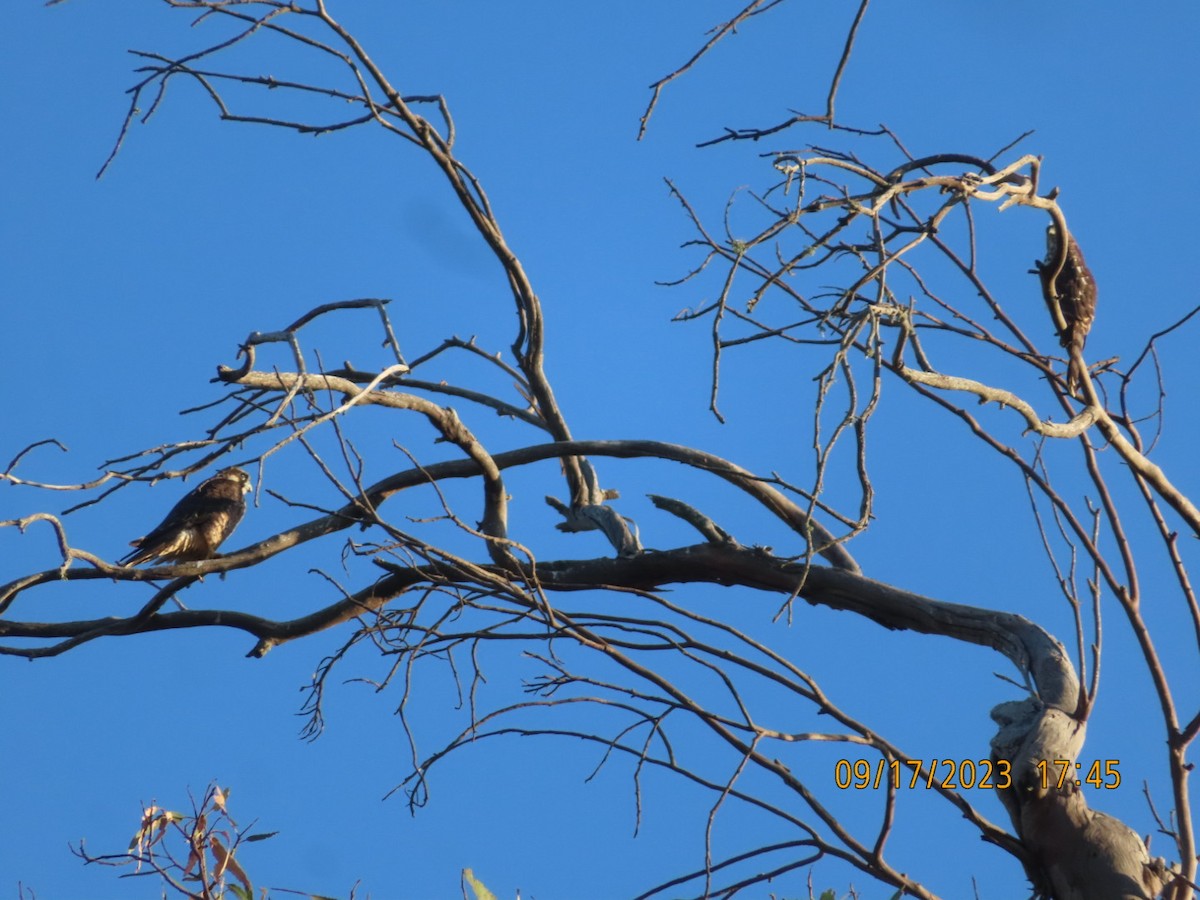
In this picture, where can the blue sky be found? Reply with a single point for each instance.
(121, 295)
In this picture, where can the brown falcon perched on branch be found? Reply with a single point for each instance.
(197, 524)
(1067, 279)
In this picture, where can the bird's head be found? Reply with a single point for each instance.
(238, 476)
(1052, 238)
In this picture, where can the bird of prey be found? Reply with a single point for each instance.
(197, 524)
(1075, 290)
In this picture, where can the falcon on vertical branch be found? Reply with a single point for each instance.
(197, 524)
(1074, 288)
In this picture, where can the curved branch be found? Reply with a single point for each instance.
(986, 394)
(495, 510)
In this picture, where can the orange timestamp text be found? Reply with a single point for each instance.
(983, 774)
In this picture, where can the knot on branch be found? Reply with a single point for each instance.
(1032, 734)
(452, 428)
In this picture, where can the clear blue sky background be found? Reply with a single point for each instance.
(120, 296)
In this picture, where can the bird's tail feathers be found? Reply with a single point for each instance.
(134, 556)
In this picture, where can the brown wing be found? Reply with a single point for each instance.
(198, 524)
(1075, 289)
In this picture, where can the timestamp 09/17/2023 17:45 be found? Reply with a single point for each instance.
(983, 774)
